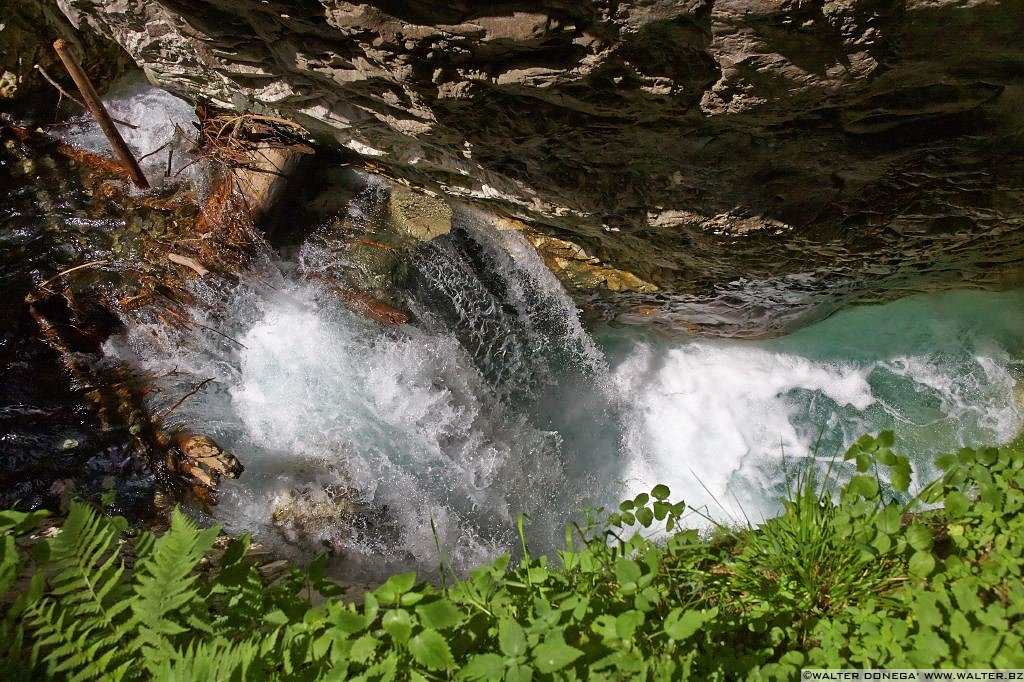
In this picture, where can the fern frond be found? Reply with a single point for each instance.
(75, 645)
(167, 601)
(217, 659)
(80, 623)
(88, 567)
(144, 544)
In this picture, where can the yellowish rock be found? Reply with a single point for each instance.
(572, 264)
(8, 85)
(312, 513)
(419, 215)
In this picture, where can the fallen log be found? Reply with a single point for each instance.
(248, 192)
(201, 463)
(362, 303)
(96, 162)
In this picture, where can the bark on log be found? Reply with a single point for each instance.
(249, 193)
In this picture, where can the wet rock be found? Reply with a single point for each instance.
(309, 513)
(8, 85)
(376, 266)
(202, 451)
(574, 266)
(27, 31)
(692, 145)
(419, 215)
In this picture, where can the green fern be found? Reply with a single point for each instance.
(80, 623)
(93, 623)
(167, 601)
(219, 659)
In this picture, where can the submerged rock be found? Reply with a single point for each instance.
(309, 513)
(418, 215)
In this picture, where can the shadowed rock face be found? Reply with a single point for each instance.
(27, 31)
(759, 162)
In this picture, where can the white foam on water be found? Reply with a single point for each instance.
(368, 440)
(717, 420)
(704, 408)
(161, 120)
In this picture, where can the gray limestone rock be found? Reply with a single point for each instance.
(839, 151)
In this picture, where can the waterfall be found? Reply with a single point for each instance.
(382, 444)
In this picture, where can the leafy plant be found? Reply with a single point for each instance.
(865, 579)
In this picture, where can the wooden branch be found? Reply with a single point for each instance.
(158, 149)
(90, 264)
(259, 117)
(185, 397)
(190, 322)
(99, 112)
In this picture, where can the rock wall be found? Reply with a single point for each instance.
(27, 31)
(757, 162)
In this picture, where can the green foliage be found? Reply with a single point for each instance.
(868, 579)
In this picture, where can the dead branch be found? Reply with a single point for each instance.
(94, 161)
(74, 99)
(188, 263)
(259, 117)
(190, 322)
(99, 112)
(90, 264)
(185, 397)
(149, 154)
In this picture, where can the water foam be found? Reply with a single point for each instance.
(717, 419)
(368, 440)
(165, 125)
(403, 418)
(706, 411)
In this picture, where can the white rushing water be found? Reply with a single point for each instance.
(497, 402)
(726, 423)
(162, 135)
(379, 443)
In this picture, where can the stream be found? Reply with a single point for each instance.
(380, 444)
(387, 445)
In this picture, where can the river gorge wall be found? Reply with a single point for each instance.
(737, 167)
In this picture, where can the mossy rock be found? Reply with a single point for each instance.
(419, 215)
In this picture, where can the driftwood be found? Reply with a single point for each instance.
(248, 192)
(99, 112)
(202, 463)
(96, 162)
(188, 263)
(367, 305)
